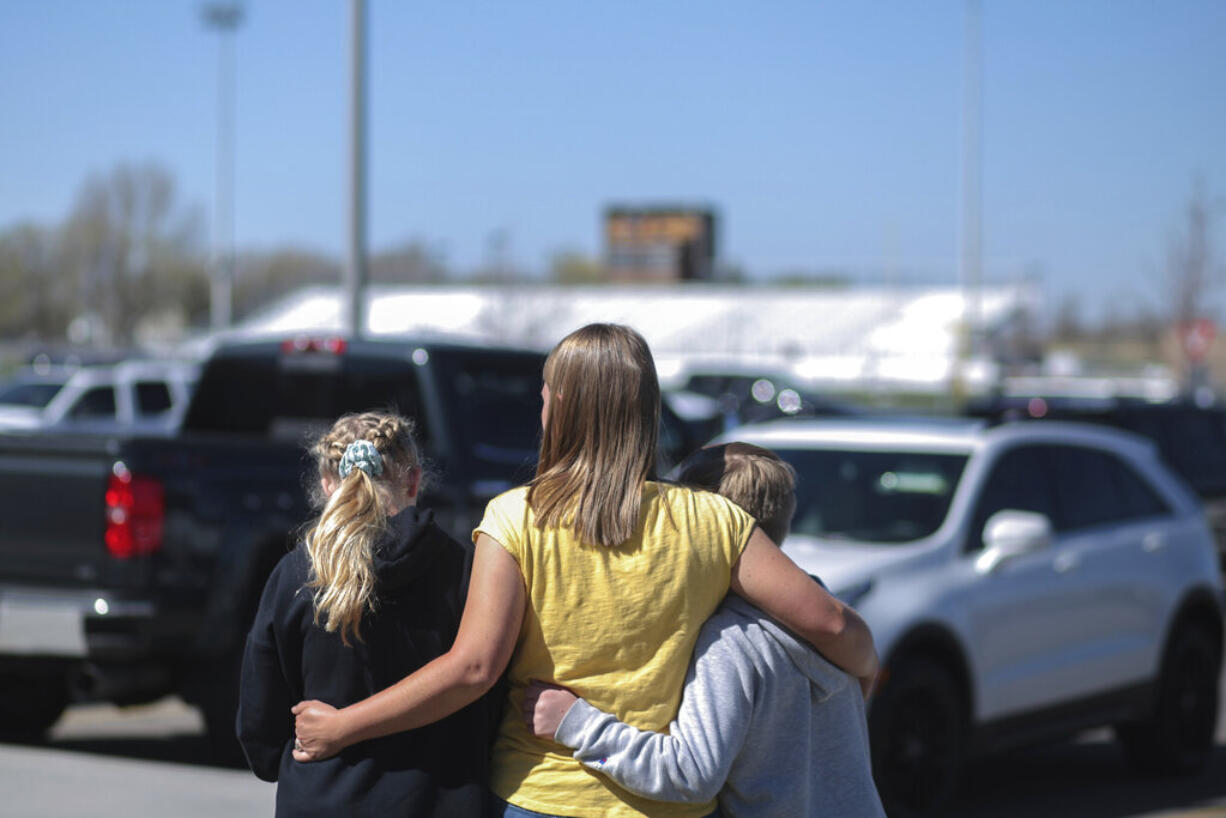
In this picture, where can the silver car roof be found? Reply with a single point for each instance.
(945, 435)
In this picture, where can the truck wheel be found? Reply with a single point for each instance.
(1177, 736)
(917, 732)
(30, 704)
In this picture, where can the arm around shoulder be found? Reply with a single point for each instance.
(488, 631)
(768, 578)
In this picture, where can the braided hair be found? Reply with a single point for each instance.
(341, 543)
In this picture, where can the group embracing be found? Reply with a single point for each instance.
(607, 645)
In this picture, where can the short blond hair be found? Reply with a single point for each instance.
(754, 478)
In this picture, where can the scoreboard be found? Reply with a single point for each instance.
(659, 243)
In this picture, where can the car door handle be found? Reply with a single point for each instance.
(1063, 563)
(1153, 542)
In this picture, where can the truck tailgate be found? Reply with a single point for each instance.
(52, 524)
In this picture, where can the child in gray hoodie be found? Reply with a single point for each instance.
(765, 721)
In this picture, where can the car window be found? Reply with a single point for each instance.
(36, 395)
(96, 402)
(152, 397)
(1095, 487)
(868, 496)
(289, 398)
(1018, 481)
(493, 400)
(1140, 499)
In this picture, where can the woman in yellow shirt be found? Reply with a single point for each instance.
(595, 577)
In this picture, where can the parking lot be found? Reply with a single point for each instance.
(108, 762)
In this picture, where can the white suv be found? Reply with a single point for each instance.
(1022, 582)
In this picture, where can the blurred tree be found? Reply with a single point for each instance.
(36, 299)
(575, 267)
(412, 262)
(131, 251)
(1190, 273)
(264, 278)
(826, 279)
(1068, 324)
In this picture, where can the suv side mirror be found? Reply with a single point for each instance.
(1009, 534)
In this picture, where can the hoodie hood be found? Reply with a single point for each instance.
(411, 545)
(825, 677)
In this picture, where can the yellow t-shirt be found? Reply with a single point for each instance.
(616, 625)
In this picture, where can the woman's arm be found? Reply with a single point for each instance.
(769, 579)
(488, 631)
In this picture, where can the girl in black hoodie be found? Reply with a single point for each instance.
(374, 591)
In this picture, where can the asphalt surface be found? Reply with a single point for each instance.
(105, 762)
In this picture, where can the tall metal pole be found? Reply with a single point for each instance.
(355, 268)
(225, 19)
(971, 267)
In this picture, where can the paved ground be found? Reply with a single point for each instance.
(104, 762)
(107, 762)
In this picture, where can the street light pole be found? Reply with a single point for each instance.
(224, 18)
(972, 188)
(355, 268)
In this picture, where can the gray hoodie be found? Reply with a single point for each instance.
(765, 722)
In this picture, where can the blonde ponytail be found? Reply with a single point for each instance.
(341, 544)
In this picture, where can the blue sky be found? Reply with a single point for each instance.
(827, 134)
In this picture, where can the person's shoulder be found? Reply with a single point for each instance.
(679, 495)
(505, 516)
(286, 585)
(510, 500)
(294, 567)
(731, 638)
(705, 505)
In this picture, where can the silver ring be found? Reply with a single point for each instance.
(298, 745)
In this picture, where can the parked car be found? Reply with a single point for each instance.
(140, 396)
(24, 395)
(1022, 581)
(1191, 438)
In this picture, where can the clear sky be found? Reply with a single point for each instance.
(827, 134)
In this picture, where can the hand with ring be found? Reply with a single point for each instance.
(317, 733)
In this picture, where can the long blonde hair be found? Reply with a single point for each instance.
(598, 445)
(341, 543)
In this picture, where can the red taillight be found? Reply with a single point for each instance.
(304, 343)
(135, 511)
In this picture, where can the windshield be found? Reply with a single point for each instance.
(878, 497)
(29, 393)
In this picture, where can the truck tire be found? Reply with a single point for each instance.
(30, 704)
(917, 733)
(1176, 737)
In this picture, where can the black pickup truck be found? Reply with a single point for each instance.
(130, 568)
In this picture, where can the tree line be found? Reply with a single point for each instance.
(132, 257)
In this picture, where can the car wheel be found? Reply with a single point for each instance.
(917, 732)
(1177, 737)
(31, 704)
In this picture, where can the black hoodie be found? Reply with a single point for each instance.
(438, 770)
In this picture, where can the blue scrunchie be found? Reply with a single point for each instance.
(361, 454)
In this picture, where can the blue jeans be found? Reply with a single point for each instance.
(504, 810)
